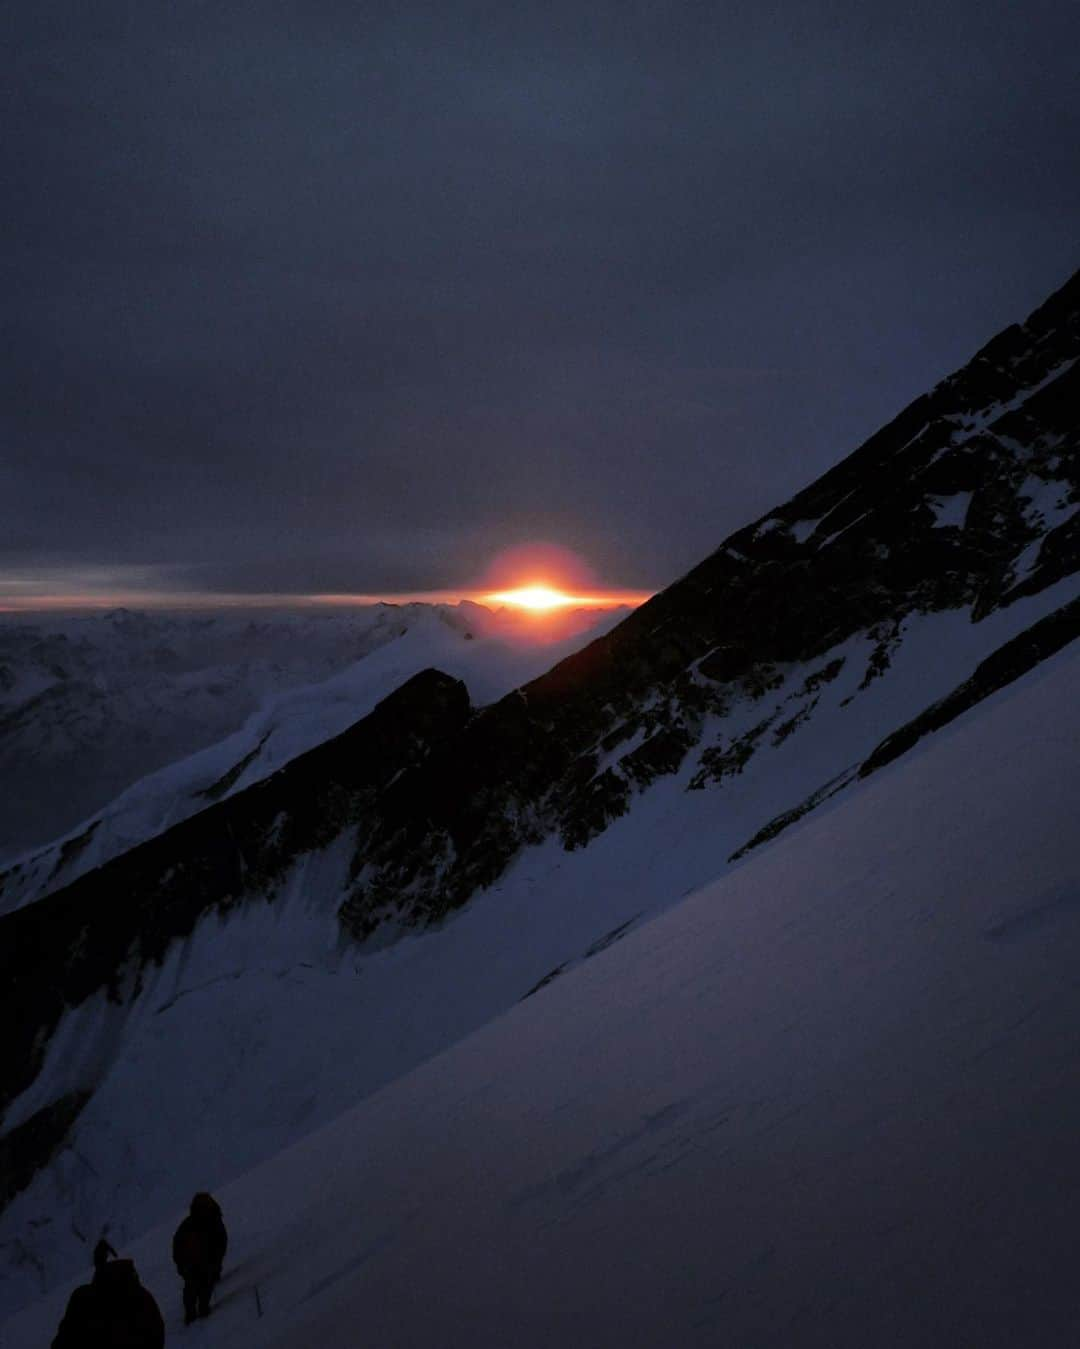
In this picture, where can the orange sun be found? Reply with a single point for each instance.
(545, 581)
(539, 598)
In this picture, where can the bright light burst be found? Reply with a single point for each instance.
(539, 598)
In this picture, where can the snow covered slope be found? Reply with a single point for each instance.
(482, 647)
(831, 1100)
(238, 1043)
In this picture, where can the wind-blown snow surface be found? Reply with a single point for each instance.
(490, 651)
(831, 1100)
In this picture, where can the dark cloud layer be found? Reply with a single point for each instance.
(314, 296)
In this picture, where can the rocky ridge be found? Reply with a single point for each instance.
(965, 501)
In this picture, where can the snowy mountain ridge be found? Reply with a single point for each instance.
(98, 701)
(467, 640)
(864, 553)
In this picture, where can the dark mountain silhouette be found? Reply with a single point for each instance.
(861, 549)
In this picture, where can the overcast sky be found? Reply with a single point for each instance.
(346, 296)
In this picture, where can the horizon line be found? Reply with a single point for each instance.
(204, 600)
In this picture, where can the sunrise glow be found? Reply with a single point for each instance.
(540, 584)
(540, 598)
(540, 578)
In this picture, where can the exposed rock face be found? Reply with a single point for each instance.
(967, 499)
(1009, 662)
(24, 1149)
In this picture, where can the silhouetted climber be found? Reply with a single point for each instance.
(198, 1253)
(112, 1311)
(102, 1252)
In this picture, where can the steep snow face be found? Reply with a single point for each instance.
(831, 1100)
(488, 651)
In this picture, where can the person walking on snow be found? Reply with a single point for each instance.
(199, 1247)
(114, 1310)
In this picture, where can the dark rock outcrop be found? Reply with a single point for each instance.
(1008, 663)
(1002, 667)
(29, 1146)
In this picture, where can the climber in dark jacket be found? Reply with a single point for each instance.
(198, 1253)
(113, 1312)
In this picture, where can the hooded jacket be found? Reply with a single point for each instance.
(113, 1312)
(200, 1242)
